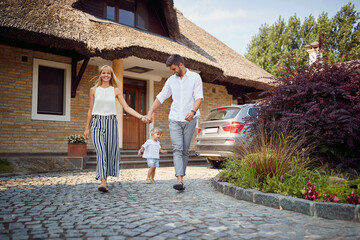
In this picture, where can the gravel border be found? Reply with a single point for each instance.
(347, 212)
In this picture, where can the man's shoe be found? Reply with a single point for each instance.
(103, 188)
(179, 186)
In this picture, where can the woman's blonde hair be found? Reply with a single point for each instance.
(113, 81)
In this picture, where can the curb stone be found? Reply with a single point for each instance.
(339, 211)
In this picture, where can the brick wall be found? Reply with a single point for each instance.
(18, 132)
(214, 96)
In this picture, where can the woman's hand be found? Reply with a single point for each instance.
(86, 134)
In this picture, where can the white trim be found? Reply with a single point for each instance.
(67, 87)
(150, 100)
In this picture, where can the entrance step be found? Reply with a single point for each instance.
(130, 159)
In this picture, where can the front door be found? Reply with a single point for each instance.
(134, 130)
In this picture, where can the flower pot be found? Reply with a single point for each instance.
(77, 149)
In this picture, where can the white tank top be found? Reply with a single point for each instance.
(104, 102)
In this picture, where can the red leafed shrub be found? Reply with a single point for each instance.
(322, 100)
(328, 197)
(353, 198)
(310, 192)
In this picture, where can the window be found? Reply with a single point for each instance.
(222, 114)
(51, 91)
(110, 10)
(142, 14)
(127, 12)
(253, 112)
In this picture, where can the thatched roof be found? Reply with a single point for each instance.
(58, 25)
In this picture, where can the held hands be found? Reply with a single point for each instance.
(143, 119)
(149, 118)
(139, 153)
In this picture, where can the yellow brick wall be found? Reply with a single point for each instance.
(214, 96)
(18, 132)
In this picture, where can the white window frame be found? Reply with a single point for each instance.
(67, 98)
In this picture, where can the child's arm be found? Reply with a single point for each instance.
(140, 151)
(163, 151)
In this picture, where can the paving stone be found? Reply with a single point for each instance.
(17, 236)
(14, 226)
(130, 233)
(41, 236)
(117, 238)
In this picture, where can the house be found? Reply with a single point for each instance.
(50, 52)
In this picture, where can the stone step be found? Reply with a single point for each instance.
(130, 159)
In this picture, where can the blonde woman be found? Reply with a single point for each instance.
(102, 122)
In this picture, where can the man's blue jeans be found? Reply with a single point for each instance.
(181, 134)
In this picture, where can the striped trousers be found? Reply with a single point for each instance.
(104, 133)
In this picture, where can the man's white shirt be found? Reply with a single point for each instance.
(184, 93)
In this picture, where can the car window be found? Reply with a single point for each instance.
(222, 114)
(253, 111)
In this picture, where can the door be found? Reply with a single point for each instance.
(134, 130)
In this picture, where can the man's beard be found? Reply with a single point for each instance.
(179, 74)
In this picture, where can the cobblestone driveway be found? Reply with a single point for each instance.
(68, 206)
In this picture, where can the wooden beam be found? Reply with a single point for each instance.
(75, 79)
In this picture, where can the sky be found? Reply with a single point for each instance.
(235, 22)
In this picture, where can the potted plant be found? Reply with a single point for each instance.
(76, 145)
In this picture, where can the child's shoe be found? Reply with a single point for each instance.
(148, 180)
(152, 180)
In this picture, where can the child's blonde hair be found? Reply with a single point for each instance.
(113, 81)
(156, 130)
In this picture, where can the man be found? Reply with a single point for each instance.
(185, 88)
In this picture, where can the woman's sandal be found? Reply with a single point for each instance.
(103, 188)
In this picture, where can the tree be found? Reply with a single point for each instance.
(340, 36)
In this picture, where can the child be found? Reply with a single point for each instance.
(152, 148)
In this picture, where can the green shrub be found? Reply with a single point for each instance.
(5, 166)
(354, 183)
(267, 160)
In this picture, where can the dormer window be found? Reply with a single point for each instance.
(142, 14)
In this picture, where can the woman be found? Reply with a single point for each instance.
(101, 119)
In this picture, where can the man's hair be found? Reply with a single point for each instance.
(175, 59)
(156, 130)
